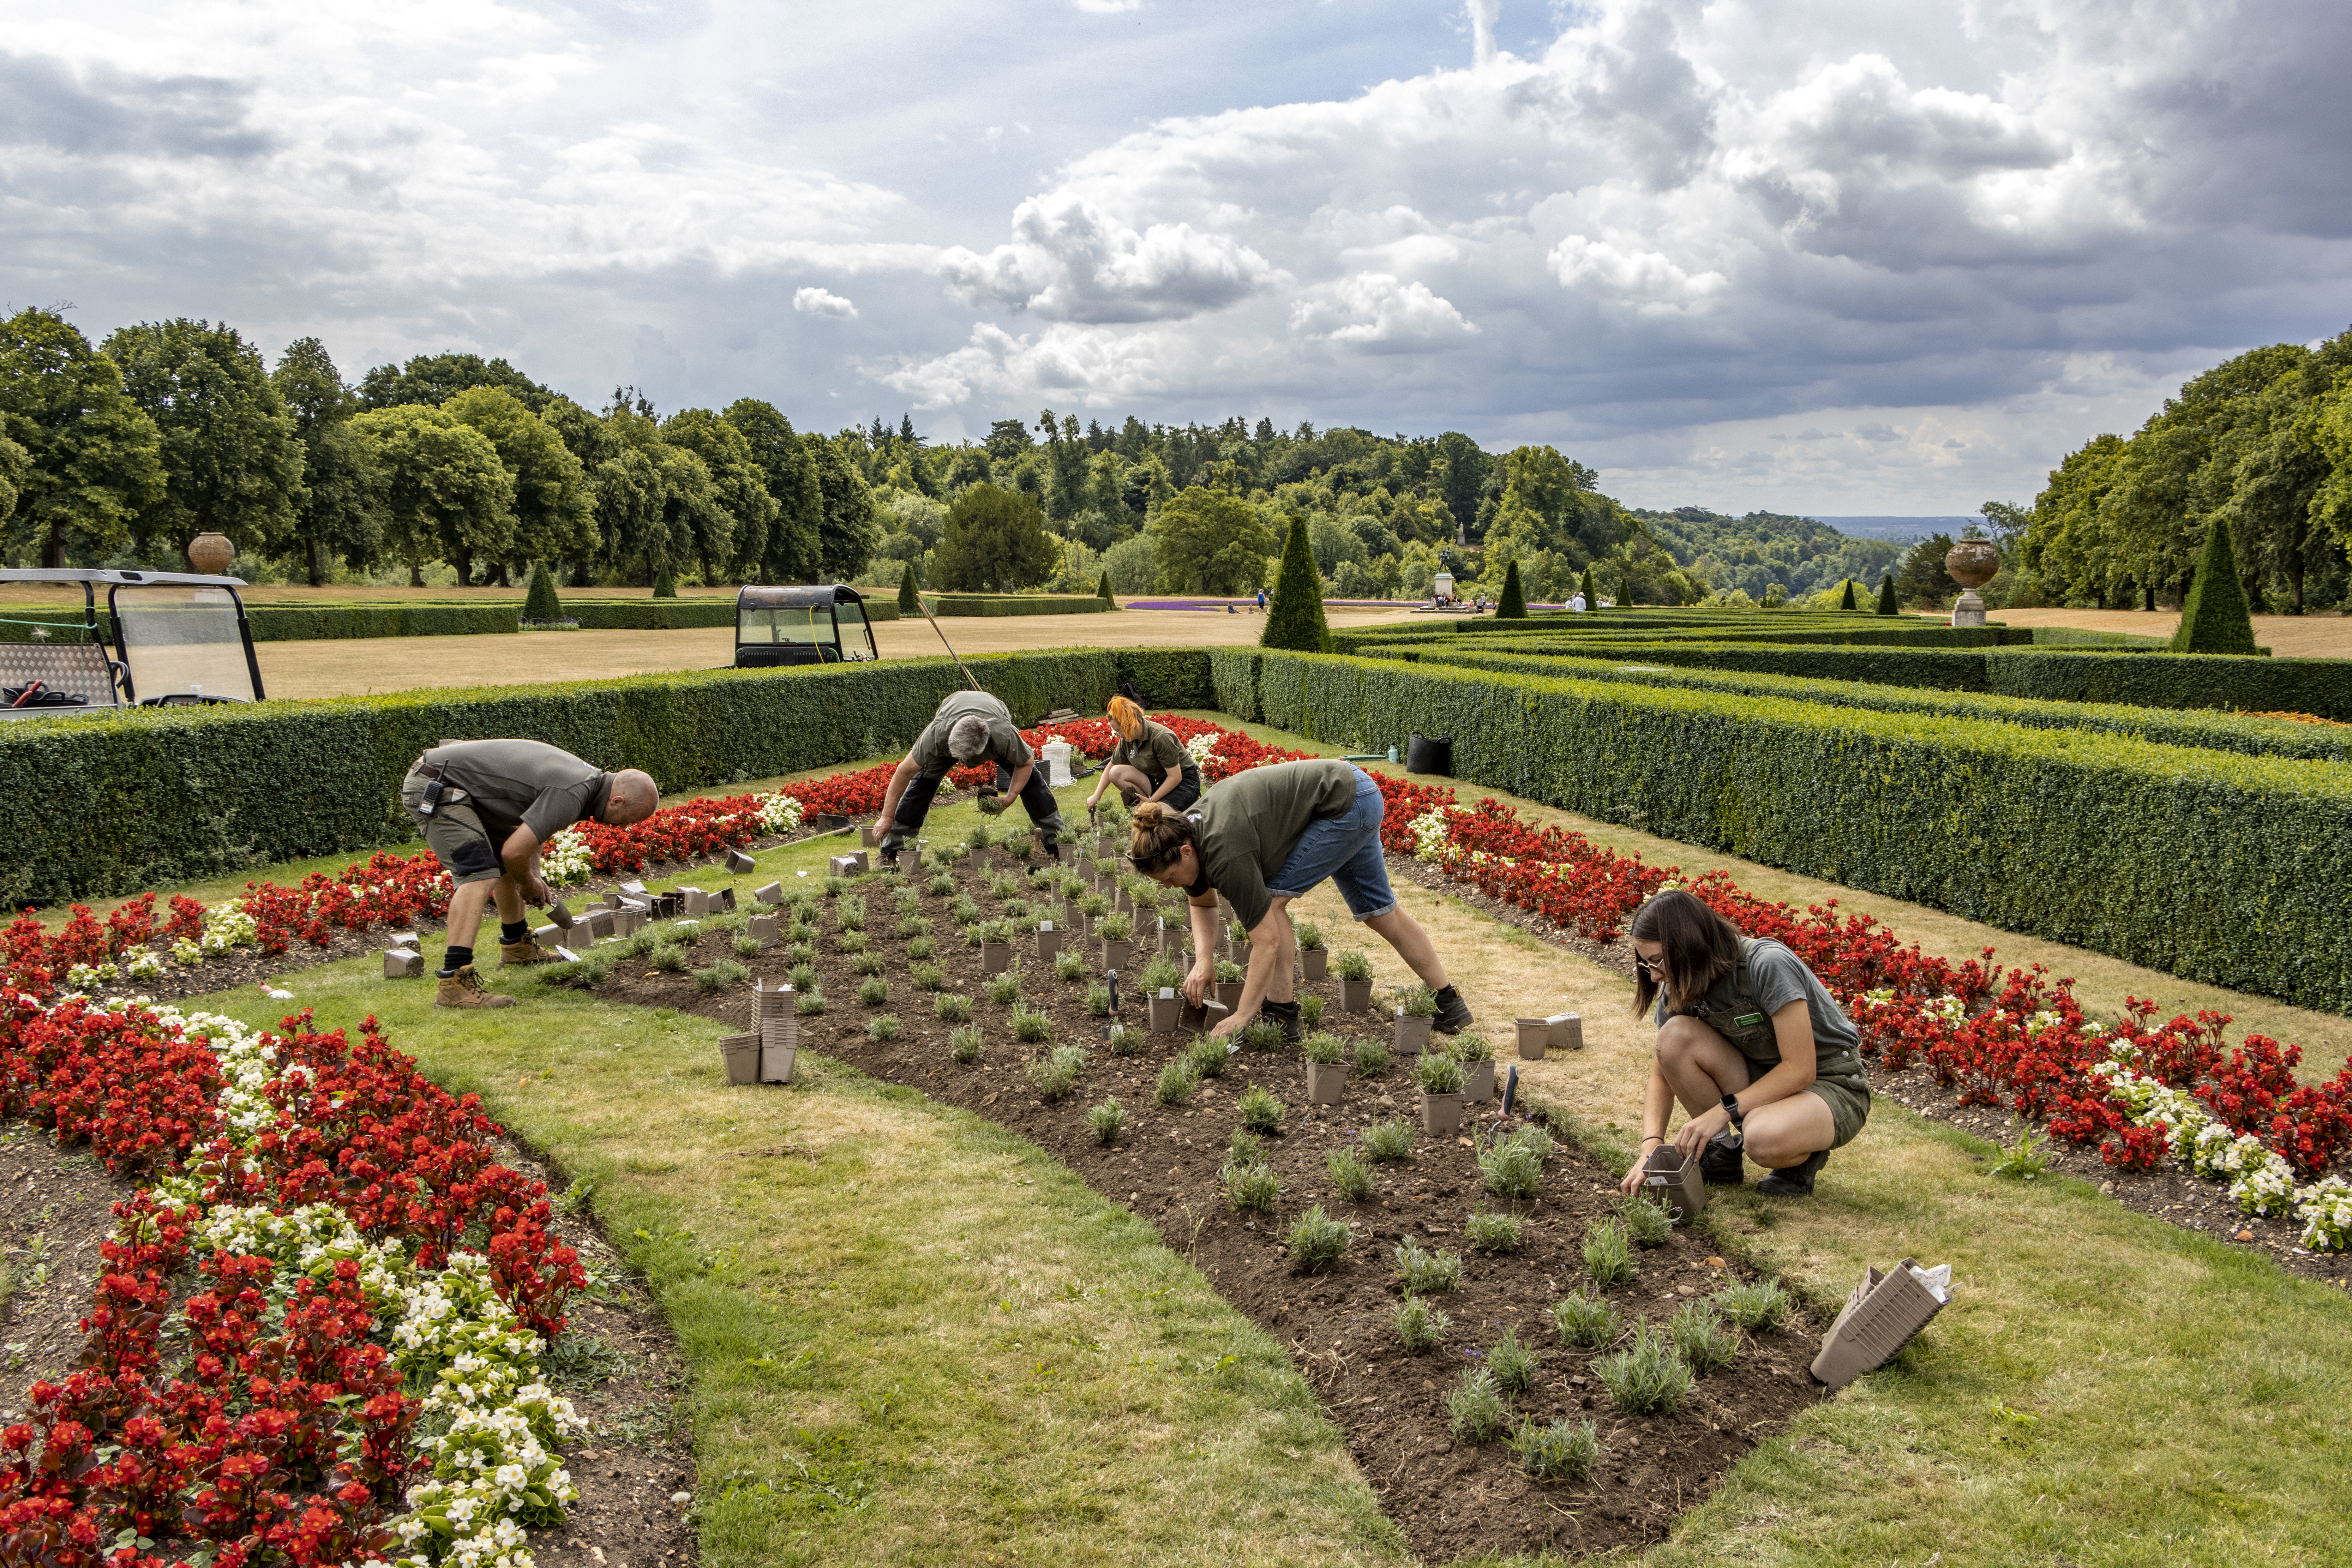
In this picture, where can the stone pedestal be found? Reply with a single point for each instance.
(1969, 610)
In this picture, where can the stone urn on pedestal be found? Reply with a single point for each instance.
(1972, 563)
(210, 553)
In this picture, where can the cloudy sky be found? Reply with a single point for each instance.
(1832, 256)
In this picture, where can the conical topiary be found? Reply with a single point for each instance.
(664, 583)
(1847, 602)
(1102, 592)
(1294, 620)
(1591, 600)
(907, 602)
(541, 604)
(2215, 619)
(1886, 605)
(1514, 606)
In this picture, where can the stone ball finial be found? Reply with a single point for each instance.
(210, 553)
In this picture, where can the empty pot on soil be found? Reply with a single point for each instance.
(1355, 996)
(1326, 1083)
(1315, 962)
(1535, 1035)
(1412, 1033)
(1479, 1081)
(1440, 1114)
(995, 957)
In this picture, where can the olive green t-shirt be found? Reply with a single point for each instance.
(516, 783)
(1157, 755)
(1251, 822)
(930, 753)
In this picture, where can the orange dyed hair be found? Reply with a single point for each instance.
(1126, 718)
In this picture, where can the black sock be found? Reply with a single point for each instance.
(513, 931)
(455, 959)
(1282, 1009)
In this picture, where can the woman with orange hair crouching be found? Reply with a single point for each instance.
(1149, 762)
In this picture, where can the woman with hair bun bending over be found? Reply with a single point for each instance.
(1268, 836)
(1751, 1042)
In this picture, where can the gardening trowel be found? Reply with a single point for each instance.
(560, 913)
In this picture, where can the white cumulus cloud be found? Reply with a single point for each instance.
(815, 301)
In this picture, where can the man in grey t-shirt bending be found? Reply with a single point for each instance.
(486, 807)
(971, 727)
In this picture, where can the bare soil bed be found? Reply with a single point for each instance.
(1452, 1498)
(617, 1361)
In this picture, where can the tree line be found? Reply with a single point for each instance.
(2261, 444)
(123, 452)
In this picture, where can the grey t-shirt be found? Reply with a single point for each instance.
(515, 783)
(930, 753)
(1251, 822)
(1777, 978)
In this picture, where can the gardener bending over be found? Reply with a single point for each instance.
(486, 807)
(1755, 1047)
(970, 727)
(1263, 837)
(1149, 762)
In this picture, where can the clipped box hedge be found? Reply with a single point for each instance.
(2129, 679)
(2209, 865)
(112, 803)
(2170, 726)
(1016, 604)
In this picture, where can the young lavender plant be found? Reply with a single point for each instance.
(1474, 1409)
(1106, 1119)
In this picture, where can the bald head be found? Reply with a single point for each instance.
(631, 799)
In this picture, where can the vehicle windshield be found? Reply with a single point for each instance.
(793, 624)
(183, 642)
(857, 642)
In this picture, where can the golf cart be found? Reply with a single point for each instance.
(179, 640)
(824, 623)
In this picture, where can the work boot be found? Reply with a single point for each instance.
(1285, 1013)
(1719, 1163)
(523, 952)
(464, 989)
(1796, 1180)
(1453, 1013)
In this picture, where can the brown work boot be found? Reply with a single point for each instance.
(523, 952)
(464, 989)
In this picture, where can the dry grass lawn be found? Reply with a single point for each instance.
(2327, 636)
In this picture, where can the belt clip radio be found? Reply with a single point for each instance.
(432, 789)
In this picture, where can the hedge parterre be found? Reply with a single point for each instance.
(368, 1272)
(2140, 1090)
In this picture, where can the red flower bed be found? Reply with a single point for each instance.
(287, 1438)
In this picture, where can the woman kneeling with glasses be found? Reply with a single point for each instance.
(1751, 1042)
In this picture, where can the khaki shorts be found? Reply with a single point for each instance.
(454, 833)
(1849, 1106)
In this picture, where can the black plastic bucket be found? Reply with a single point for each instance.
(1430, 754)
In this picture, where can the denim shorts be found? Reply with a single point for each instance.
(1347, 849)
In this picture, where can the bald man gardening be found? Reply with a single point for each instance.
(971, 727)
(486, 807)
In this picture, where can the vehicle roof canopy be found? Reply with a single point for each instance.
(133, 578)
(796, 597)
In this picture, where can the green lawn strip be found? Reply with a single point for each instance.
(2105, 1388)
(914, 1337)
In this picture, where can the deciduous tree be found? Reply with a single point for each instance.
(93, 460)
(446, 494)
(738, 484)
(553, 510)
(343, 511)
(793, 551)
(1208, 542)
(995, 542)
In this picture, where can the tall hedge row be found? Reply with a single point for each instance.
(2170, 726)
(2317, 686)
(2210, 865)
(1016, 604)
(113, 803)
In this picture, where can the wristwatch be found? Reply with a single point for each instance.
(1738, 1128)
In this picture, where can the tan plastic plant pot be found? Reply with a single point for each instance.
(867, 838)
(1567, 1031)
(995, 957)
(1880, 1318)
(741, 1055)
(1229, 995)
(779, 1040)
(1326, 1082)
(1440, 1114)
(740, 863)
(402, 939)
(1674, 1181)
(403, 963)
(762, 929)
(1535, 1038)
(1479, 1081)
(1355, 996)
(1167, 1011)
(1117, 954)
(773, 893)
(1411, 1034)
(1315, 962)
(1049, 944)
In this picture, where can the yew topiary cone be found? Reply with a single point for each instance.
(1847, 602)
(2216, 619)
(908, 601)
(1886, 605)
(1294, 619)
(1591, 600)
(541, 604)
(1514, 606)
(1102, 592)
(664, 583)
